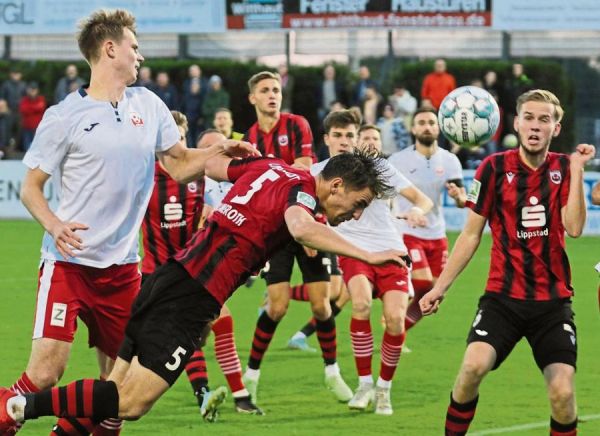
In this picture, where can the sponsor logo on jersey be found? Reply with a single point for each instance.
(91, 127)
(306, 199)
(283, 140)
(173, 214)
(136, 119)
(510, 176)
(233, 215)
(474, 190)
(555, 176)
(533, 216)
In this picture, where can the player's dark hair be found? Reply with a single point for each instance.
(340, 119)
(360, 169)
(424, 110)
(100, 26)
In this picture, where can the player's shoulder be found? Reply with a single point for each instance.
(295, 118)
(72, 103)
(399, 156)
(142, 93)
(554, 157)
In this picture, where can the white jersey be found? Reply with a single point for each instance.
(102, 158)
(214, 191)
(430, 176)
(374, 230)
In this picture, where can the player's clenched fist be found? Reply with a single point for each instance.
(431, 301)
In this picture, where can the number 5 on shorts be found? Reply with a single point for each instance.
(177, 354)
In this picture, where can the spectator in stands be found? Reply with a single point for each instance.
(329, 91)
(7, 130)
(217, 97)
(437, 85)
(166, 91)
(287, 88)
(68, 83)
(360, 89)
(223, 122)
(514, 86)
(394, 135)
(490, 83)
(145, 78)
(32, 108)
(12, 90)
(403, 104)
(370, 104)
(195, 89)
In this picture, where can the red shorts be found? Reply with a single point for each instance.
(427, 253)
(384, 278)
(101, 297)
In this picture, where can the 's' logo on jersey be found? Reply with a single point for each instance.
(173, 211)
(283, 140)
(555, 176)
(136, 119)
(89, 129)
(534, 215)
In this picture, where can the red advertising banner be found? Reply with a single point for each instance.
(323, 14)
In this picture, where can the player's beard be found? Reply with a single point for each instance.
(534, 152)
(426, 139)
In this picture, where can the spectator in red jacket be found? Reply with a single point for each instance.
(32, 109)
(437, 85)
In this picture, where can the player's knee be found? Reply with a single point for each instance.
(561, 394)
(394, 323)
(321, 310)
(474, 370)
(45, 377)
(277, 309)
(361, 308)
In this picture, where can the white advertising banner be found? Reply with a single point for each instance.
(13, 172)
(152, 16)
(546, 15)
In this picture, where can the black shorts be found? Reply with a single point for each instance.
(549, 327)
(280, 266)
(169, 319)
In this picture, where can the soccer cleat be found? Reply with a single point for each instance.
(211, 400)
(336, 384)
(8, 426)
(364, 395)
(300, 344)
(251, 386)
(383, 403)
(245, 405)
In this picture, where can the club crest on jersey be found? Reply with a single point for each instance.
(283, 140)
(555, 176)
(439, 171)
(136, 119)
(192, 187)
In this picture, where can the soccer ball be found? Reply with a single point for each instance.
(469, 116)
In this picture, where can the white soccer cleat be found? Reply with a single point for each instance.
(364, 395)
(251, 386)
(336, 384)
(383, 402)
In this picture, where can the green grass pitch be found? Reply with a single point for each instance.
(291, 390)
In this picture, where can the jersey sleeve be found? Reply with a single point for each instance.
(301, 195)
(564, 187)
(481, 195)
(303, 138)
(238, 167)
(168, 133)
(50, 144)
(454, 168)
(395, 177)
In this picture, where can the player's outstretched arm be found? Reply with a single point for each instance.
(32, 197)
(574, 212)
(464, 248)
(596, 194)
(188, 164)
(422, 205)
(310, 233)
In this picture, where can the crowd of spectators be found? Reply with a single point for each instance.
(203, 100)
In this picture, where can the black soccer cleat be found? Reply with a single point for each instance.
(245, 405)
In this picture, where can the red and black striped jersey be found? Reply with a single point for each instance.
(249, 225)
(289, 139)
(523, 206)
(171, 218)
